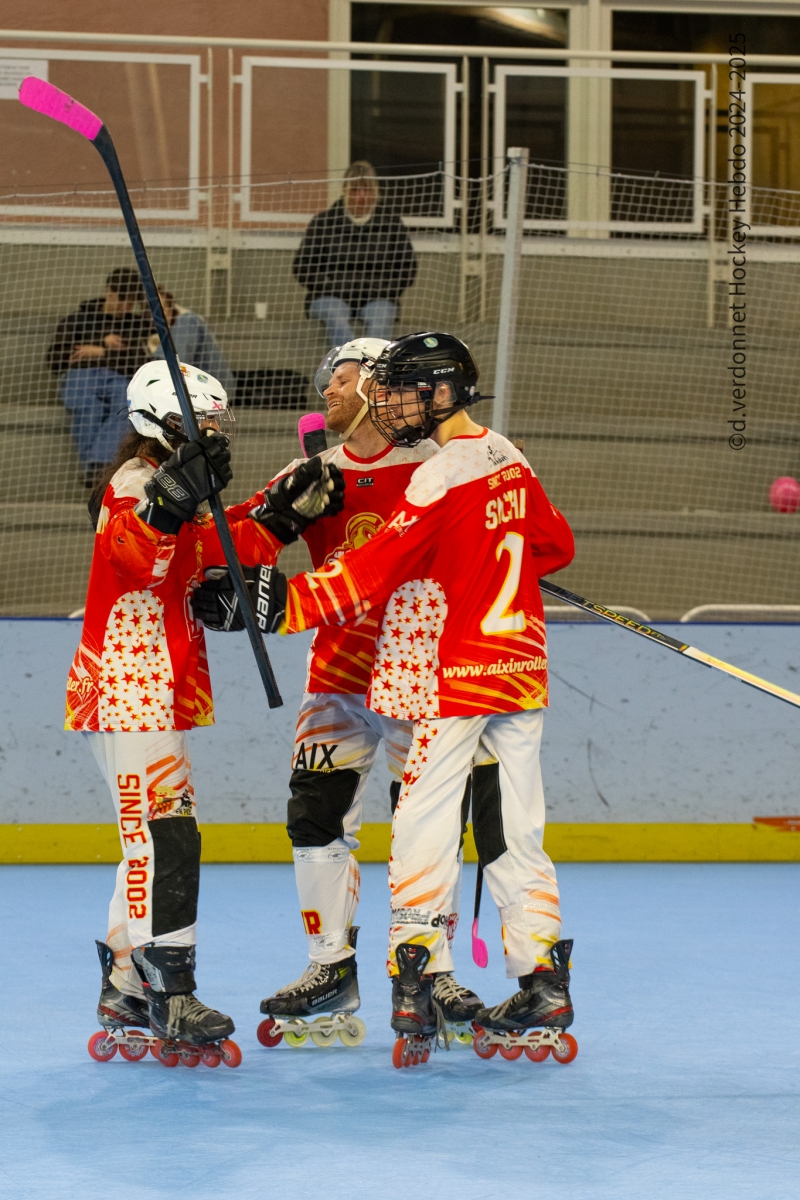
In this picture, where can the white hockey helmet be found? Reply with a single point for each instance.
(153, 406)
(364, 351)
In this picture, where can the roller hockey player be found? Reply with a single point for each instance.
(338, 737)
(139, 680)
(462, 653)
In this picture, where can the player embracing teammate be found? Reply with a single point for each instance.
(453, 577)
(338, 735)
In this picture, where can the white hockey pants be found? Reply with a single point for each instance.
(424, 864)
(155, 898)
(340, 733)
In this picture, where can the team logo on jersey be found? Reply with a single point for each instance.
(360, 529)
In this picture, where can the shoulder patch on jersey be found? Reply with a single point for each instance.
(130, 479)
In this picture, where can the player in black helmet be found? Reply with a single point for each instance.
(411, 367)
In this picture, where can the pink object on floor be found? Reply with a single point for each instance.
(784, 495)
(45, 98)
(480, 953)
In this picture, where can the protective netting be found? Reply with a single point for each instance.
(621, 384)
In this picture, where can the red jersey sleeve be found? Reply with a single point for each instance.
(549, 536)
(362, 579)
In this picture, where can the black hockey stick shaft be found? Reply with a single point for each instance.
(663, 639)
(478, 892)
(107, 151)
(45, 98)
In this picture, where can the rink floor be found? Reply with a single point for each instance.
(686, 986)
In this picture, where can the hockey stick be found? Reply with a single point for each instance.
(480, 952)
(311, 431)
(663, 639)
(51, 102)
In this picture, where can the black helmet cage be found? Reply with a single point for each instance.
(424, 360)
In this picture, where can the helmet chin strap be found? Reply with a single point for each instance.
(362, 412)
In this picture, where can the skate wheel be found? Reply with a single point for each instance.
(511, 1052)
(133, 1050)
(399, 1052)
(425, 1055)
(102, 1046)
(321, 1032)
(464, 1036)
(266, 1036)
(293, 1038)
(537, 1053)
(166, 1056)
(211, 1056)
(353, 1032)
(188, 1059)
(230, 1053)
(483, 1046)
(565, 1049)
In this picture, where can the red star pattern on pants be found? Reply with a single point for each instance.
(404, 683)
(135, 691)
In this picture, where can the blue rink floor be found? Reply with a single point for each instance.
(686, 986)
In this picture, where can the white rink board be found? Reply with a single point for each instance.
(634, 732)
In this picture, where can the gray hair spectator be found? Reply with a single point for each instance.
(356, 260)
(96, 350)
(194, 341)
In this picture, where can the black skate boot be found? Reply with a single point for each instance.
(115, 1009)
(415, 1017)
(543, 1003)
(330, 988)
(456, 1004)
(176, 1015)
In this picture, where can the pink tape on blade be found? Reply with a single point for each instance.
(43, 97)
(480, 952)
(310, 421)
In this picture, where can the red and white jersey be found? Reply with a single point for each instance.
(141, 664)
(457, 569)
(341, 658)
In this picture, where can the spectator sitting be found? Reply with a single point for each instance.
(356, 258)
(193, 340)
(97, 350)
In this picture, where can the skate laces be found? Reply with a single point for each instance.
(314, 973)
(184, 1007)
(445, 988)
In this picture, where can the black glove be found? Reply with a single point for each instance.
(194, 472)
(216, 604)
(313, 490)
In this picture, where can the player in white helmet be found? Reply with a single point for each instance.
(337, 737)
(140, 679)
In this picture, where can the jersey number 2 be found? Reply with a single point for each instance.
(498, 619)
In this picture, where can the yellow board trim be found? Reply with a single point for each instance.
(563, 842)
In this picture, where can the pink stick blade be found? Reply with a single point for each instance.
(52, 102)
(480, 953)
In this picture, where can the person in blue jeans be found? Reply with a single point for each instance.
(96, 350)
(356, 260)
(194, 341)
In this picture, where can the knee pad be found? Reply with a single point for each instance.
(320, 800)
(176, 876)
(487, 816)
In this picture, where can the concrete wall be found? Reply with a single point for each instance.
(634, 734)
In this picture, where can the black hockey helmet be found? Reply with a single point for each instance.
(421, 361)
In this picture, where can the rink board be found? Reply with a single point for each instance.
(645, 756)
(650, 842)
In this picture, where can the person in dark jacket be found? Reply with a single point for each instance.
(97, 350)
(356, 259)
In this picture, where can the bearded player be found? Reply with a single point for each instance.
(338, 736)
(461, 652)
